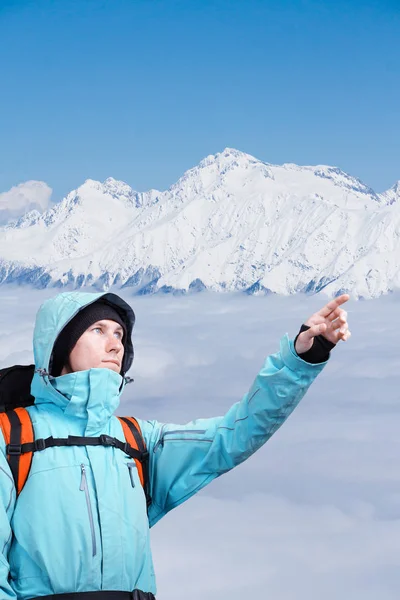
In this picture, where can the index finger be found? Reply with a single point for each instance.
(333, 304)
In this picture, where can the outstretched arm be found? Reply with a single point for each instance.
(185, 458)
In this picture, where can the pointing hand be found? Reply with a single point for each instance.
(330, 322)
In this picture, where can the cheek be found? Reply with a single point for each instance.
(86, 354)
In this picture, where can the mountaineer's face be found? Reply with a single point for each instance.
(100, 346)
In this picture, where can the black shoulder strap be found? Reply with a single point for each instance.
(18, 431)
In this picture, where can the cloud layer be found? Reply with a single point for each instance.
(313, 514)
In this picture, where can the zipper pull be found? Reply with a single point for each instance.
(130, 467)
(83, 479)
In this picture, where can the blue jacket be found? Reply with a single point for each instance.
(80, 523)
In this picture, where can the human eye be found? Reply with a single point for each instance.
(97, 329)
(118, 334)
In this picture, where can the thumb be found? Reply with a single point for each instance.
(306, 339)
(314, 330)
(318, 329)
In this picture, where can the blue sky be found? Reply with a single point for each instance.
(143, 90)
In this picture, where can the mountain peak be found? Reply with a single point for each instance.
(228, 155)
(117, 187)
(392, 195)
(396, 187)
(93, 189)
(214, 170)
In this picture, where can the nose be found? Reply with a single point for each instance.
(114, 343)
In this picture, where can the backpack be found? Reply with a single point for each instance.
(19, 434)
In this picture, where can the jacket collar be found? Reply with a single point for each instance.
(92, 395)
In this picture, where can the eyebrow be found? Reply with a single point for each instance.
(102, 322)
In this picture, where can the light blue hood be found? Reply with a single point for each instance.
(93, 394)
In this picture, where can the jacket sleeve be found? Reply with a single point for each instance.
(185, 458)
(7, 504)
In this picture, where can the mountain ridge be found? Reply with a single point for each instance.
(230, 223)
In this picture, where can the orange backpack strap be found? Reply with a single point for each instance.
(17, 429)
(133, 436)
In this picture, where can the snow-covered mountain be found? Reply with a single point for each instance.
(231, 223)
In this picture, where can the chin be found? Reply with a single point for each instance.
(111, 366)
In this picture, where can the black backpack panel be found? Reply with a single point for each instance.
(15, 387)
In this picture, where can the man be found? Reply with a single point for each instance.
(80, 526)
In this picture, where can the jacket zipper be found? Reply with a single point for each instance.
(130, 467)
(84, 488)
(162, 436)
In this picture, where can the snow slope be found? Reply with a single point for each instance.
(231, 223)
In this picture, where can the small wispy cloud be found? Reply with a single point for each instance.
(21, 198)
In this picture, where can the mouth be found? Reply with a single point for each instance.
(111, 360)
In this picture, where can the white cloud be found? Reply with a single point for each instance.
(313, 514)
(20, 199)
(263, 545)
